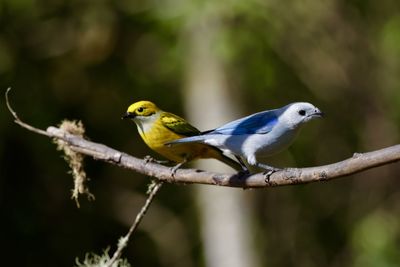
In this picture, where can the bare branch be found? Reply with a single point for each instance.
(123, 242)
(290, 176)
(21, 123)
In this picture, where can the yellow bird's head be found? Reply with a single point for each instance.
(141, 110)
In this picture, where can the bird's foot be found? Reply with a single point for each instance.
(175, 168)
(269, 170)
(267, 174)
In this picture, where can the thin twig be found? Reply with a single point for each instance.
(123, 242)
(18, 121)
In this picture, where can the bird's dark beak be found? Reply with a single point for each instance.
(128, 115)
(317, 114)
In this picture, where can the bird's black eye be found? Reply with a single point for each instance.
(302, 112)
(140, 110)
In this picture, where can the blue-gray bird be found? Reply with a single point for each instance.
(258, 135)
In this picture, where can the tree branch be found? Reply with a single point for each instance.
(123, 242)
(290, 176)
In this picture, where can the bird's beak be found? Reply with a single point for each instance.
(318, 113)
(128, 115)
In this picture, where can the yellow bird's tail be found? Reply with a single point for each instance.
(217, 154)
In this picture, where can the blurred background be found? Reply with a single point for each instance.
(208, 61)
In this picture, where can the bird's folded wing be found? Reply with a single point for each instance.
(258, 123)
(178, 125)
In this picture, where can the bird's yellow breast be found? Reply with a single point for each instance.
(158, 135)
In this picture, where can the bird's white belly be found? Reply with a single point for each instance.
(254, 145)
(267, 145)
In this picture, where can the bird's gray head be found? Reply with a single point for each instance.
(296, 114)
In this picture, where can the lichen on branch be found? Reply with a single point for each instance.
(74, 159)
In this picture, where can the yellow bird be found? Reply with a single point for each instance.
(157, 127)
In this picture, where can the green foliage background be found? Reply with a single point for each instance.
(89, 60)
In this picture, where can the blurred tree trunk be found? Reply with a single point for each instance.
(225, 213)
